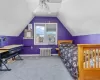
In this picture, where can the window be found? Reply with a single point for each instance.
(45, 33)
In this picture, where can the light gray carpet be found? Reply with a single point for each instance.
(37, 68)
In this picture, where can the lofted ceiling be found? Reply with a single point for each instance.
(80, 17)
(53, 8)
(14, 16)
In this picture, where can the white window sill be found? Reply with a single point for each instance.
(27, 38)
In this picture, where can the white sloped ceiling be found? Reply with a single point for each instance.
(81, 17)
(14, 16)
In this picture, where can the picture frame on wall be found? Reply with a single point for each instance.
(28, 34)
(29, 26)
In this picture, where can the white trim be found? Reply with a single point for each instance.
(34, 33)
(36, 55)
(45, 48)
(29, 54)
(54, 54)
(27, 38)
(56, 33)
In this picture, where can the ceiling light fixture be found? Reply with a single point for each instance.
(43, 7)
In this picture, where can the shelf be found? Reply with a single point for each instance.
(27, 38)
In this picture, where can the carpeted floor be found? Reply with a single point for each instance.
(37, 68)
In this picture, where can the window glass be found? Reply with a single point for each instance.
(45, 34)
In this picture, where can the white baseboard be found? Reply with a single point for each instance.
(29, 54)
(36, 54)
(54, 54)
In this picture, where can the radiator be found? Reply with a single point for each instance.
(45, 51)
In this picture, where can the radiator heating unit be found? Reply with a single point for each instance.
(45, 51)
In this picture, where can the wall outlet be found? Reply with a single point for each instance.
(31, 47)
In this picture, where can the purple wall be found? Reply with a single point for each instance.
(87, 39)
(11, 40)
(63, 34)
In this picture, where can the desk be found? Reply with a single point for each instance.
(10, 47)
(11, 51)
(2, 51)
(1, 62)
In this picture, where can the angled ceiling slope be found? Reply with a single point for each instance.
(80, 17)
(14, 16)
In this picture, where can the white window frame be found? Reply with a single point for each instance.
(45, 34)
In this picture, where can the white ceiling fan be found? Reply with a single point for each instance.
(44, 6)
